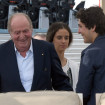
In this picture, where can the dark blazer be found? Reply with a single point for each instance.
(48, 73)
(92, 71)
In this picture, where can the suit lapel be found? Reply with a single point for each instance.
(38, 62)
(13, 67)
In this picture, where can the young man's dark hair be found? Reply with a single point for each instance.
(93, 16)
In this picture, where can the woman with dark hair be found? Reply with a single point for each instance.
(60, 35)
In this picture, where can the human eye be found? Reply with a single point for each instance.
(80, 26)
(17, 32)
(59, 37)
(66, 37)
(26, 31)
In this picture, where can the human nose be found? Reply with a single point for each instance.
(79, 30)
(63, 40)
(21, 35)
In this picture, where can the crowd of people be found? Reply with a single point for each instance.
(28, 64)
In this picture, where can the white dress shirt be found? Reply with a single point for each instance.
(26, 68)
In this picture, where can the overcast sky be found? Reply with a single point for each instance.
(88, 3)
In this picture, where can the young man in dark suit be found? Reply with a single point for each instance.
(91, 22)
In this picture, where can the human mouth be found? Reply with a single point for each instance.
(63, 46)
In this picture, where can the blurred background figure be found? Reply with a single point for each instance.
(80, 5)
(78, 2)
(40, 36)
(60, 35)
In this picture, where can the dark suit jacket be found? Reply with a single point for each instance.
(92, 71)
(47, 68)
